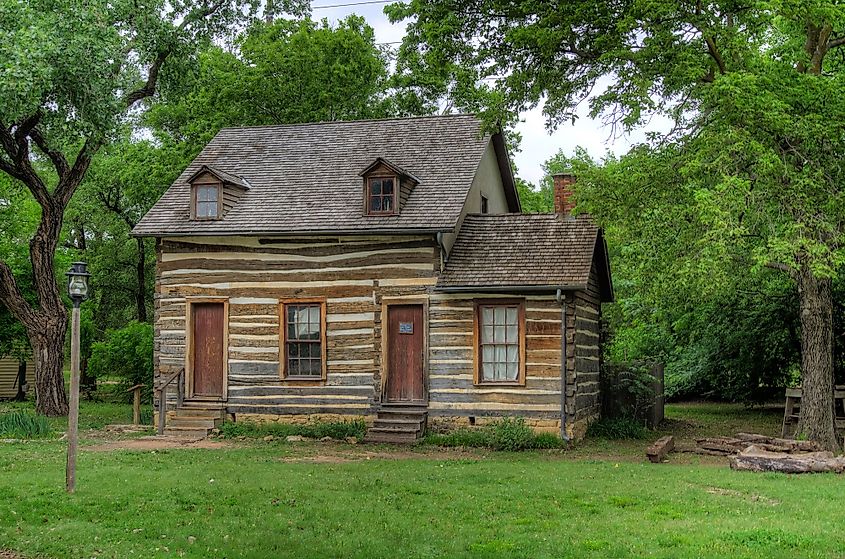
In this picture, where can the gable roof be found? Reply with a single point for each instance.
(305, 177)
(533, 252)
(221, 175)
(380, 161)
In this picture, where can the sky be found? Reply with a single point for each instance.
(538, 143)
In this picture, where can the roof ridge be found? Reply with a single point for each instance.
(355, 121)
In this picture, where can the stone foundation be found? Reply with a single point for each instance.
(442, 424)
(301, 419)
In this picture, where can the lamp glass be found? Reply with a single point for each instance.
(78, 286)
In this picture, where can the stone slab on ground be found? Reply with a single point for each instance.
(756, 459)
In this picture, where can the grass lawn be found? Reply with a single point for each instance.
(258, 500)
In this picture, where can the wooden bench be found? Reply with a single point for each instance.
(792, 410)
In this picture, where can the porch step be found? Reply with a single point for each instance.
(195, 419)
(398, 423)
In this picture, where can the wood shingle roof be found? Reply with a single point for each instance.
(306, 178)
(534, 251)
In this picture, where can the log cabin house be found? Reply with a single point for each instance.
(379, 269)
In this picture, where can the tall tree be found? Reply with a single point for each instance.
(285, 71)
(753, 164)
(72, 73)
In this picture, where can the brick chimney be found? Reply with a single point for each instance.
(564, 196)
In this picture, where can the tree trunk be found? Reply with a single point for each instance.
(48, 350)
(141, 273)
(816, 421)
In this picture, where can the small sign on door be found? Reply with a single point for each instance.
(406, 327)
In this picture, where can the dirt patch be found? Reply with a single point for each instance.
(734, 493)
(341, 455)
(5, 554)
(144, 444)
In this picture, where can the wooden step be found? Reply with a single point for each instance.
(194, 423)
(385, 421)
(398, 437)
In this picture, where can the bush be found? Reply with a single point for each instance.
(19, 425)
(617, 428)
(126, 353)
(508, 434)
(335, 429)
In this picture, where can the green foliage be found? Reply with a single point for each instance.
(506, 434)
(618, 428)
(317, 430)
(127, 354)
(300, 70)
(627, 390)
(23, 425)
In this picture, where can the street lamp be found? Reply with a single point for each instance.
(77, 290)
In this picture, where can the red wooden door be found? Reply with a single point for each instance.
(208, 349)
(405, 353)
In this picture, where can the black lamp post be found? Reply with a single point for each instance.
(77, 289)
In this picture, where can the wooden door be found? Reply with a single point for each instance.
(405, 353)
(207, 380)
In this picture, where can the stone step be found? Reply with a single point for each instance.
(185, 432)
(417, 429)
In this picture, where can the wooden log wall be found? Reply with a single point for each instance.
(587, 356)
(353, 274)
(451, 390)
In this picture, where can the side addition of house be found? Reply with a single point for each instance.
(379, 269)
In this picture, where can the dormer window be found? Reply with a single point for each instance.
(386, 188)
(208, 201)
(214, 192)
(381, 194)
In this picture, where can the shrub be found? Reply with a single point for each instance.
(20, 425)
(334, 429)
(511, 434)
(126, 353)
(508, 434)
(617, 428)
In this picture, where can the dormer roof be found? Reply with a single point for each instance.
(381, 162)
(221, 175)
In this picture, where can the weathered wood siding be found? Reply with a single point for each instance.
(9, 376)
(353, 274)
(452, 394)
(587, 354)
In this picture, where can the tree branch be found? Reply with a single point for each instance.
(838, 42)
(715, 54)
(71, 180)
(149, 87)
(780, 266)
(11, 296)
(57, 157)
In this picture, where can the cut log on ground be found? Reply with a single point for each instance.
(657, 452)
(755, 459)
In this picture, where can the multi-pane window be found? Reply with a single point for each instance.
(500, 333)
(207, 201)
(304, 344)
(381, 195)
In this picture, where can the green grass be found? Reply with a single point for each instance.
(317, 430)
(257, 500)
(92, 415)
(23, 425)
